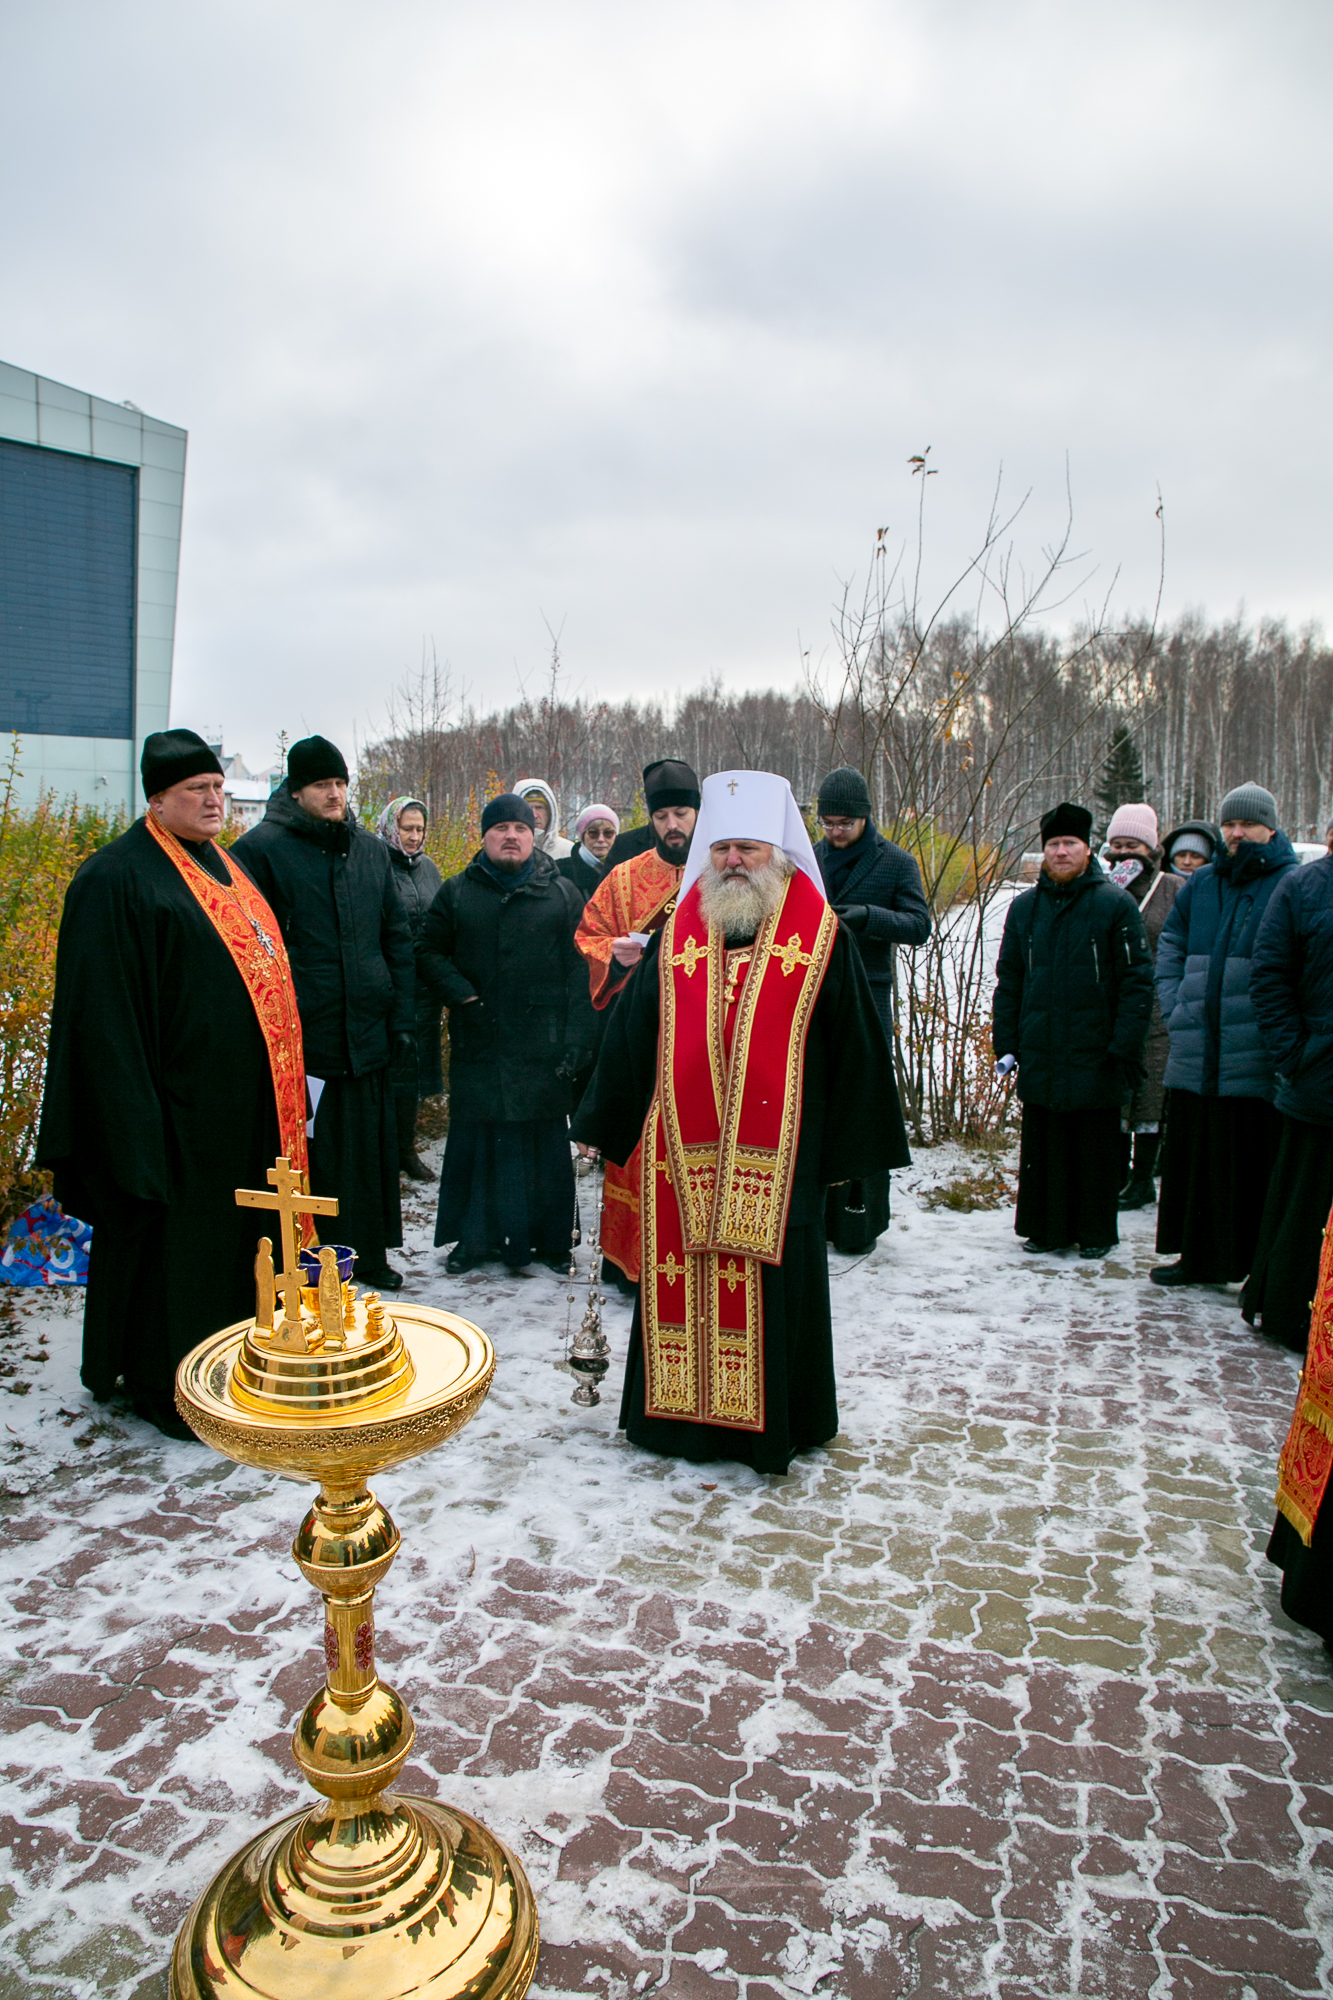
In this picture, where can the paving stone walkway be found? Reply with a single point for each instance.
(991, 1698)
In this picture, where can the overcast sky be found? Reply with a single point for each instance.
(628, 318)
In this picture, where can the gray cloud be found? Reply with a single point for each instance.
(483, 312)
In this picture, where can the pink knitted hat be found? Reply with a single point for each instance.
(590, 813)
(1134, 823)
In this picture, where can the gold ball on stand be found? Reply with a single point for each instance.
(368, 1895)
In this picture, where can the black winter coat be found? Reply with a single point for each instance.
(576, 870)
(514, 949)
(1291, 986)
(1204, 964)
(1074, 993)
(887, 880)
(330, 885)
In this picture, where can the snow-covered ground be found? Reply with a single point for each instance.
(1051, 1492)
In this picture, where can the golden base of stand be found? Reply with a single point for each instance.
(404, 1897)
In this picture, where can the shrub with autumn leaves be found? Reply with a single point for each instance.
(41, 846)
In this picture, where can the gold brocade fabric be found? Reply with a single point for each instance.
(1306, 1461)
(719, 1151)
(249, 930)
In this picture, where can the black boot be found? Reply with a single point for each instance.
(1140, 1190)
(409, 1161)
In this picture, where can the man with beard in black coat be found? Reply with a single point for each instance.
(1073, 1000)
(330, 884)
(875, 888)
(497, 947)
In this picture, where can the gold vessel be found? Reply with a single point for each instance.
(369, 1895)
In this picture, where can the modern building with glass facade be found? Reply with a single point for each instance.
(90, 527)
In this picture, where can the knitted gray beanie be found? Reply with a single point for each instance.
(844, 794)
(1251, 802)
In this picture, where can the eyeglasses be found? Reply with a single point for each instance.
(837, 825)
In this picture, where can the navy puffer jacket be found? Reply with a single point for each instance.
(1074, 992)
(1292, 989)
(1204, 962)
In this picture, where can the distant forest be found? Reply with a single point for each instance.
(978, 733)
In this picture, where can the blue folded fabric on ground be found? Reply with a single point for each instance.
(44, 1246)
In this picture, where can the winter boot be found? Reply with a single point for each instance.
(409, 1160)
(1140, 1191)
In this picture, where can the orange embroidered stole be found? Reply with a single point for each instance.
(719, 1150)
(1307, 1457)
(239, 916)
(638, 896)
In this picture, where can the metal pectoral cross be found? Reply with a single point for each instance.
(290, 1200)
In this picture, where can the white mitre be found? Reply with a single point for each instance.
(750, 805)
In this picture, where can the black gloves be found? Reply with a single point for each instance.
(403, 1064)
(856, 916)
(1130, 1072)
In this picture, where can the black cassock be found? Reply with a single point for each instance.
(159, 1105)
(851, 1127)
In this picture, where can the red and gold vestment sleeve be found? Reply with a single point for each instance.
(599, 926)
(1306, 1462)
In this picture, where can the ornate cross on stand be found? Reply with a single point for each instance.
(290, 1200)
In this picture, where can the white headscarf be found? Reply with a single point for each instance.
(750, 805)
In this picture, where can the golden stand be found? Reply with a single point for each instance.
(368, 1895)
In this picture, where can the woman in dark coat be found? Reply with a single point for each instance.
(875, 887)
(595, 832)
(1222, 1130)
(1292, 989)
(402, 827)
(1135, 864)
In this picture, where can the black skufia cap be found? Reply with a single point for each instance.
(1066, 822)
(172, 755)
(313, 758)
(669, 783)
(507, 806)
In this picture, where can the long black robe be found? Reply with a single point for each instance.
(851, 1127)
(159, 1105)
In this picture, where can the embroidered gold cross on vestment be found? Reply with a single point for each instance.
(671, 1270)
(791, 954)
(690, 956)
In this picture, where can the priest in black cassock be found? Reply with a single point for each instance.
(746, 1054)
(331, 885)
(174, 1076)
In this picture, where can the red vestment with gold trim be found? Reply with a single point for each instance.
(249, 930)
(719, 1149)
(1306, 1461)
(639, 895)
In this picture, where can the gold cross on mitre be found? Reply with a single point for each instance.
(290, 1200)
(732, 788)
(791, 954)
(690, 955)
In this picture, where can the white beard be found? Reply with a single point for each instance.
(736, 905)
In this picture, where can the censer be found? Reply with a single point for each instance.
(369, 1895)
(588, 1354)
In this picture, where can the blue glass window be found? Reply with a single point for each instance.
(66, 593)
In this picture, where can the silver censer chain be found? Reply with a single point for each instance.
(589, 1354)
